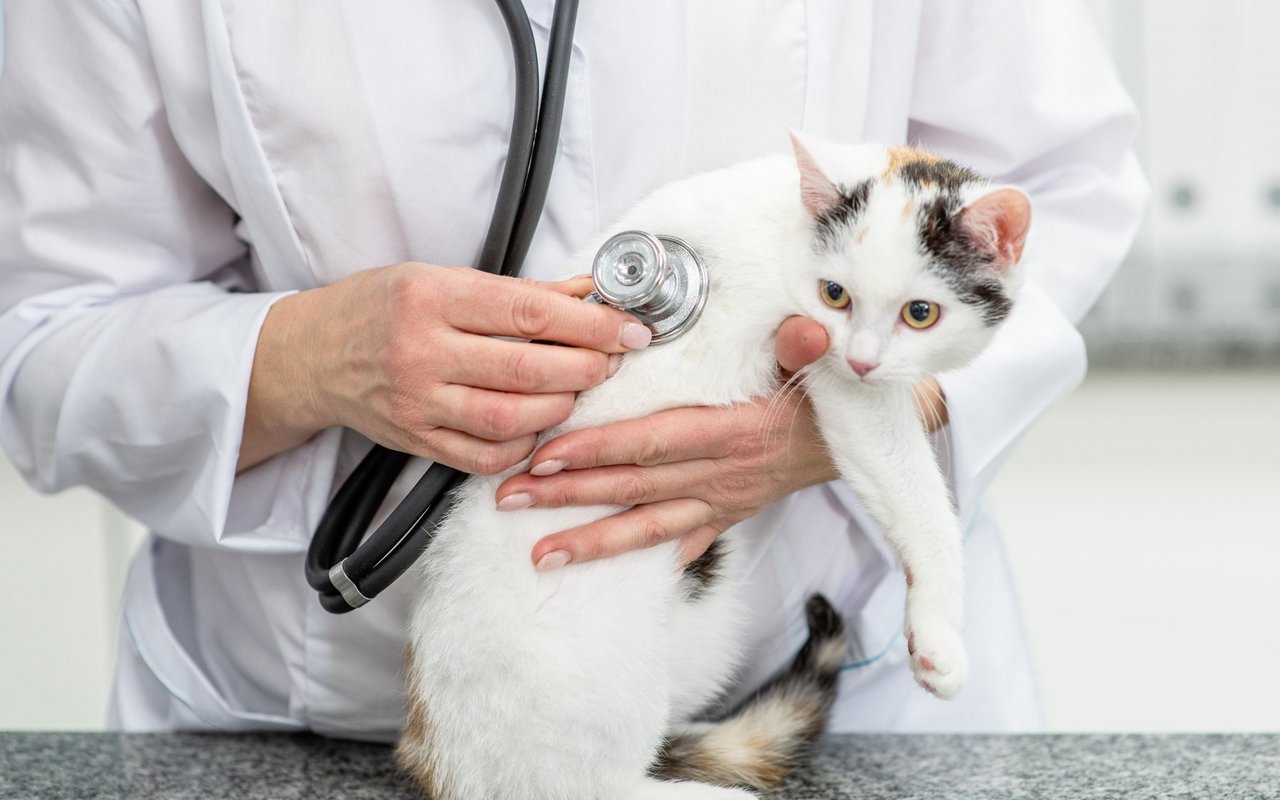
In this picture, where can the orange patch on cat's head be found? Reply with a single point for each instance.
(900, 157)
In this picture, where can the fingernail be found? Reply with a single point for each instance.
(553, 560)
(515, 502)
(615, 361)
(542, 469)
(635, 336)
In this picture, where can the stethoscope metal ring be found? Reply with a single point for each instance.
(658, 279)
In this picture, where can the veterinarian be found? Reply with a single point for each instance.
(193, 197)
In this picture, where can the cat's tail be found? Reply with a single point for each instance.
(773, 731)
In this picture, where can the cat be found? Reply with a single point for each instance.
(585, 681)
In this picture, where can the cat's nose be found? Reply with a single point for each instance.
(863, 367)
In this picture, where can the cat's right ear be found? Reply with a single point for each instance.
(817, 192)
(997, 223)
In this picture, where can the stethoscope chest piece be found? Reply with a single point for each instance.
(658, 279)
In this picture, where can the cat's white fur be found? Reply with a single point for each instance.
(525, 684)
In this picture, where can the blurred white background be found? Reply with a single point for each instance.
(1142, 514)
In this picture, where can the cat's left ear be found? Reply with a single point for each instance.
(997, 223)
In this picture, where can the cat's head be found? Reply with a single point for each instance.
(914, 259)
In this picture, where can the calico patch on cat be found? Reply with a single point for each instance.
(591, 681)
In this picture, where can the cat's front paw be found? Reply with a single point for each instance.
(938, 659)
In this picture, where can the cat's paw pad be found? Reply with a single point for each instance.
(938, 659)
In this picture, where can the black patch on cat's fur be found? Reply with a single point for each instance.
(838, 219)
(967, 270)
(702, 571)
(948, 176)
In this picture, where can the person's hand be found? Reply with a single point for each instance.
(406, 356)
(689, 473)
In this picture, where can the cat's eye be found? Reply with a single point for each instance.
(920, 314)
(834, 295)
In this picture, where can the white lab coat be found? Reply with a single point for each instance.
(170, 169)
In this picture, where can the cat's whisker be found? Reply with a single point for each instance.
(791, 423)
(935, 417)
(794, 385)
(811, 373)
(940, 429)
(774, 410)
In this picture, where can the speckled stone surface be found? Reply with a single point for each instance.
(34, 766)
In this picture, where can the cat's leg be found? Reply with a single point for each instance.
(653, 789)
(882, 451)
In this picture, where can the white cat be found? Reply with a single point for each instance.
(581, 682)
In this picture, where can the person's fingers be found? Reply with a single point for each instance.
(679, 434)
(495, 306)
(801, 341)
(578, 286)
(506, 366)
(617, 485)
(470, 454)
(694, 543)
(634, 529)
(498, 416)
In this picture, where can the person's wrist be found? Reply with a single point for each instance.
(292, 360)
(319, 347)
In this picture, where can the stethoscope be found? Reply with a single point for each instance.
(659, 279)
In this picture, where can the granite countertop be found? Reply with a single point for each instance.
(34, 766)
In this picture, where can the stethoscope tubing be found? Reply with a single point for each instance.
(346, 573)
(509, 205)
(550, 115)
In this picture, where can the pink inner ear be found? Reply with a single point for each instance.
(998, 223)
(817, 192)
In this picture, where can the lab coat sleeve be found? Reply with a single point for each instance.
(126, 339)
(1024, 91)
